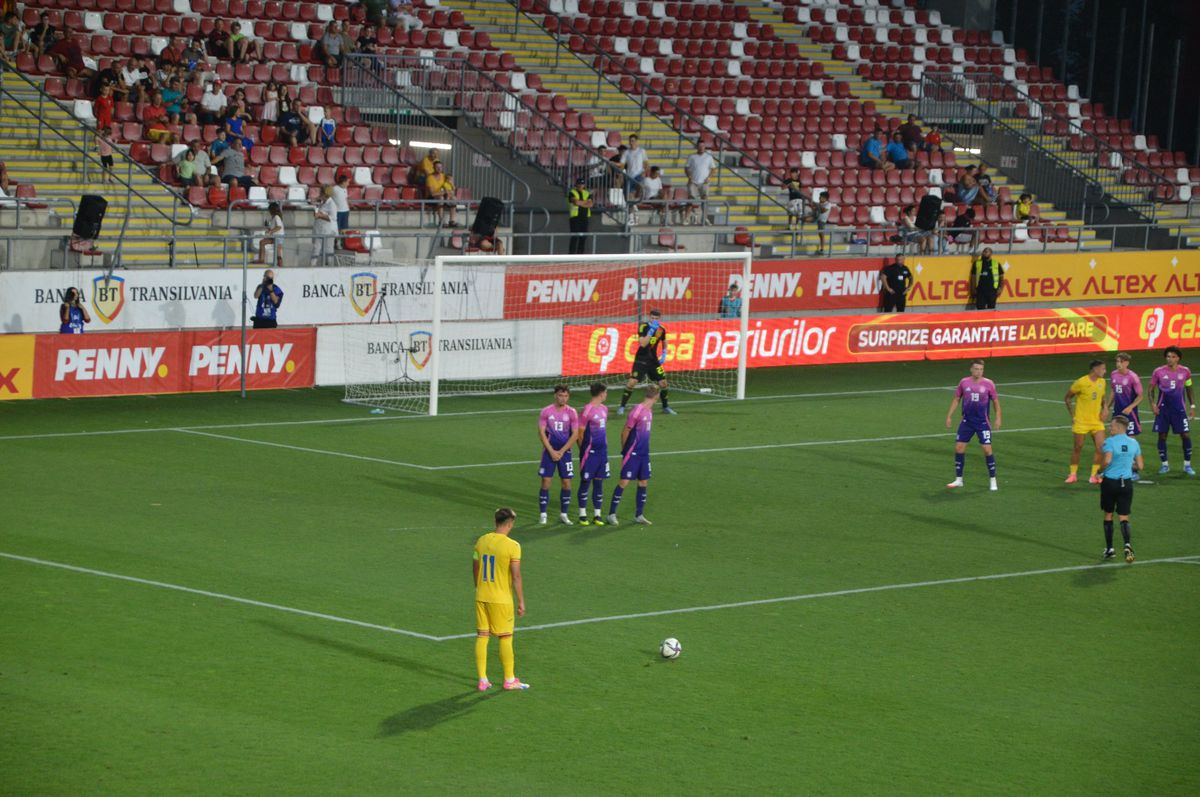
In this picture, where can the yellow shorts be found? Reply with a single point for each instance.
(1087, 428)
(496, 618)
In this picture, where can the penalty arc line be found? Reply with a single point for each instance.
(219, 596)
(830, 594)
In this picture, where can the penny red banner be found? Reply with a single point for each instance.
(142, 363)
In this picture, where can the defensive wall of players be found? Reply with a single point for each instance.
(177, 331)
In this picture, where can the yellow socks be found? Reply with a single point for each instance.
(507, 658)
(1095, 469)
(1074, 468)
(481, 643)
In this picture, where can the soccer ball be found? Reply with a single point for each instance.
(670, 648)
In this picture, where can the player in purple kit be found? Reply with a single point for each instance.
(977, 395)
(1126, 394)
(635, 456)
(1169, 386)
(558, 428)
(593, 453)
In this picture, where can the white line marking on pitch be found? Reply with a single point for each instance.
(218, 595)
(344, 454)
(1028, 398)
(831, 594)
(521, 410)
(586, 620)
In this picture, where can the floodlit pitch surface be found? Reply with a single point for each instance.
(889, 667)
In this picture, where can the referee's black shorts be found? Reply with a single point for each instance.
(1116, 495)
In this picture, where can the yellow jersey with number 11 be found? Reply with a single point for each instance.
(494, 553)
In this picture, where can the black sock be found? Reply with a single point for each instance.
(625, 396)
(1125, 530)
(664, 398)
(1108, 534)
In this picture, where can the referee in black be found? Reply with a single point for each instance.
(894, 281)
(648, 362)
(1122, 459)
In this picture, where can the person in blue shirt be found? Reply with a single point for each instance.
(872, 154)
(268, 296)
(1122, 461)
(898, 153)
(731, 303)
(72, 313)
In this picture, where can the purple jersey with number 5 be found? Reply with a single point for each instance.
(1172, 387)
(977, 398)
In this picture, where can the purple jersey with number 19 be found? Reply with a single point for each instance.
(635, 459)
(593, 448)
(976, 397)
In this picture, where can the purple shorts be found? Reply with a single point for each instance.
(635, 466)
(967, 430)
(593, 464)
(565, 468)
(1172, 420)
(1135, 423)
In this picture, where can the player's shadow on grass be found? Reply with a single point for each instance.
(368, 653)
(960, 524)
(429, 715)
(1097, 576)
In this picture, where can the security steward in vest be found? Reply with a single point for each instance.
(580, 200)
(987, 278)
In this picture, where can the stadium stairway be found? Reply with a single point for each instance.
(55, 170)
(772, 14)
(534, 50)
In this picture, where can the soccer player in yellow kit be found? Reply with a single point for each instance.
(496, 571)
(1087, 417)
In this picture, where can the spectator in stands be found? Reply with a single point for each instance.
(12, 35)
(439, 187)
(154, 117)
(68, 54)
(373, 10)
(796, 199)
(968, 189)
(933, 140)
(185, 167)
(652, 195)
(327, 131)
(104, 149)
(194, 54)
(235, 125)
(218, 42)
(425, 167)
(329, 48)
(213, 104)
(272, 236)
(985, 184)
(820, 215)
(201, 165)
(269, 112)
(174, 98)
(938, 236)
(42, 36)
(873, 153)
(102, 109)
(1024, 209)
(232, 161)
(133, 80)
(907, 230)
(402, 15)
(618, 161)
(961, 234)
(106, 75)
(72, 314)
(897, 153)
(579, 214)
(699, 168)
(491, 244)
(4, 184)
(341, 199)
(171, 54)
(634, 162)
(242, 45)
(911, 135)
(600, 173)
(324, 227)
(295, 126)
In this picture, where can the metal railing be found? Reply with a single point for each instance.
(90, 160)
(365, 87)
(978, 110)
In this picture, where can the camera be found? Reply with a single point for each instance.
(268, 281)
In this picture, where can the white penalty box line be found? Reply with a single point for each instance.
(1191, 560)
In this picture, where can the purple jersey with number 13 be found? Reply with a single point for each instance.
(560, 424)
(977, 398)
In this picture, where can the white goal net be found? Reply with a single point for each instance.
(478, 325)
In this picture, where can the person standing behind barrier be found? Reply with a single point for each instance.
(72, 313)
(268, 295)
(987, 278)
(634, 161)
(341, 198)
(699, 168)
(324, 228)
(580, 200)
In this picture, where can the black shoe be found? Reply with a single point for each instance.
(1109, 553)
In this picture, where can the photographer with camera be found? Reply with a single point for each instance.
(268, 295)
(72, 313)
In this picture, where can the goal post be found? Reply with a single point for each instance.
(507, 324)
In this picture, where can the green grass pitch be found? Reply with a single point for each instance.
(1082, 681)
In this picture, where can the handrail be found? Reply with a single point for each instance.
(725, 144)
(89, 158)
(361, 66)
(373, 205)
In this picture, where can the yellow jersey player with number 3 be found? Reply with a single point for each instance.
(496, 571)
(1087, 417)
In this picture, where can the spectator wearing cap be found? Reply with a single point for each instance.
(580, 213)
